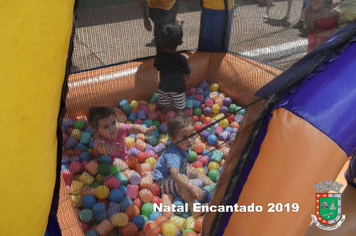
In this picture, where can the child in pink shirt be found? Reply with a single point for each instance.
(109, 138)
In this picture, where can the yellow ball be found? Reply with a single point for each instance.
(219, 116)
(189, 224)
(119, 219)
(201, 170)
(129, 142)
(102, 192)
(169, 229)
(213, 165)
(76, 133)
(224, 123)
(152, 161)
(134, 103)
(152, 107)
(215, 108)
(128, 122)
(214, 87)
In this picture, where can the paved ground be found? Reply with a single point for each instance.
(114, 33)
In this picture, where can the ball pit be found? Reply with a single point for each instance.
(116, 194)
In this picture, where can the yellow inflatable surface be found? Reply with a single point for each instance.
(35, 38)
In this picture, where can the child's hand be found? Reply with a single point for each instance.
(149, 130)
(197, 192)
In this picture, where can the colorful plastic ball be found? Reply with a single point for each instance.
(86, 215)
(116, 196)
(120, 219)
(234, 124)
(197, 164)
(126, 202)
(207, 111)
(198, 126)
(232, 108)
(102, 192)
(197, 111)
(212, 139)
(204, 134)
(154, 215)
(156, 200)
(241, 111)
(161, 221)
(201, 170)
(139, 221)
(104, 169)
(213, 165)
(134, 103)
(129, 142)
(192, 156)
(141, 157)
(231, 118)
(192, 90)
(88, 201)
(76, 133)
(131, 162)
(152, 161)
(214, 87)
(169, 229)
(224, 123)
(224, 110)
(154, 189)
(151, 229)
(215, 108)
(213, 174)
(169, 115)
(132, 211)
(147, 209)
(219, 130)
(227, 101)
(130, 229)
(78, 124)
(163, 128)
(199, 147)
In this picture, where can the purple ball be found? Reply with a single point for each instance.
(207, 111)
(68, 122)
(135, 179)
(71, 143)
(65, 160)
(227, 101)
(204, 85)
(199, 91)
(75, 158)
(204, 135)
(224, 109)
(163, 128)
(238, 118)
(233, 130)
(219, 130)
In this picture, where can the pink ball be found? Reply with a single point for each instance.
(75, 167)
(218, 130)
(209, 102)
(192, 91)
(138, 121)
(203, 159)
(111, 182)
(132, 191)
(137, 202)
(169, 115)
(199, 97)
(152, 115)
(145, 108)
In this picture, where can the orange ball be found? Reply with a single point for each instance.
(198, 224)
(199, 147)
(207, 120)
(132, 211)
(222, 162)
(141, 157)
(131, 161)
(219, 101)
(129, 230)
(190, 233)
(234, 124)
(160, 221)
(151, 229)
(141, 137)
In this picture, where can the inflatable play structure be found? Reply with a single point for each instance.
(297, 131)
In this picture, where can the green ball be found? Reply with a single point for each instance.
(146, 218)
(126, 108)
(122, 178)
(192, 156)
(95, 184)
(213, 174)
(152, 140)
(104, 169)
(147, 209)
(148, 122)
(114, 170)
(186, 230)
(197, 111)
(86, 215)
(211, 130)
(154, 98)
(78, 124)
(242, 111)
(156, 123)
(232, 108)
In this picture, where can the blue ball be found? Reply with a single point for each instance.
(185, 214)
(104, 159)
(178, 199)
(177, 204)
(220, 168)
(85, 156)
(81, 146)
(88, 201)
(206, 195)
(91, 232)
(155, 133)
(89, 130)
(212, 139)
(139, 221)
(63, 167)
(91, 144)
(206, 168)
(126, 202)
(190, 98)
(206, 152)
(168, 143)
(154, 215)
(65, 160)
(206, 93)
(75, 159)
(133, 135)
(98, 207)
(132, 117)
(228, 128)
(196, 103)
(123, 102)
(123, 189)
(116, 196)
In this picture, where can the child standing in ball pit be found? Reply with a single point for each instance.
(171, 171)
(173, 69)
(110, 134)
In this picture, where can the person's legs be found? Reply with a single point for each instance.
(178, 100)
(158, 17)
(165, 101)
(193, 173)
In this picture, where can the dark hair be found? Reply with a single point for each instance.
(171, 35)
(178, 122)
(98, 113)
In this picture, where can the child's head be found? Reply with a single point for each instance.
(180, 127)
(103, 121)
(171, 35)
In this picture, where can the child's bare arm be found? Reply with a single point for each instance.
(183, 181)
(137, 129)
(107, 149)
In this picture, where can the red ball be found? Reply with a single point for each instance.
(154, 189)
(69, 131)
(156, 200)
(190, 233)
(197, 127)
(75, 167)
(141, 157)
(195, 118)
(78, 152)
(151, 229)
(230, 118)
(85, 226)
(137, 202)
(197, 164)
(129, 230)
